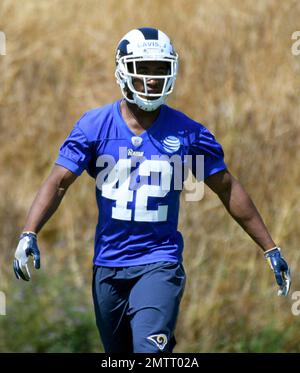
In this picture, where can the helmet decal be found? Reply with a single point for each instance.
(149, 33)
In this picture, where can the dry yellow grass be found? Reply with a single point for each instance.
(237, 76)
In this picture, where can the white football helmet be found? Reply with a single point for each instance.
(145, 44)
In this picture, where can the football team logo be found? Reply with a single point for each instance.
(171, 144)
(136, 141)
(159, 339)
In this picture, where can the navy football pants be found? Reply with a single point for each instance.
(136, 307)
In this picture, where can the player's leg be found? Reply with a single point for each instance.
(111, 303)
(153, 307)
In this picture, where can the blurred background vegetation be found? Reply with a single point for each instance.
(238, 77)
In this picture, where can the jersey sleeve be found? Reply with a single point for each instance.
(206, 145)
(75, 152)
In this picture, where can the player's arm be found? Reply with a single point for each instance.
(242, 209)
(43, 207)
(48, 198)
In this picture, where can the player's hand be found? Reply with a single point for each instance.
(26, 247)
(281, 270)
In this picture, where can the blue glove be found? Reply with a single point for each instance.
(27, 246)
(281, 270)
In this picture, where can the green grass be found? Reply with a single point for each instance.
(52, 316)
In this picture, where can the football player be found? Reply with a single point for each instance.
(135, 149)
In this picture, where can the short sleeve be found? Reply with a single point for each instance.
(205, 144)
(75, 152)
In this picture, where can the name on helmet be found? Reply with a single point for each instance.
(152, 44)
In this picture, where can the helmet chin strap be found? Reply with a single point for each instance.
(148, 105)
(143, 104)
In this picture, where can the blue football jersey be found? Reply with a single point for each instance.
(138, 180)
